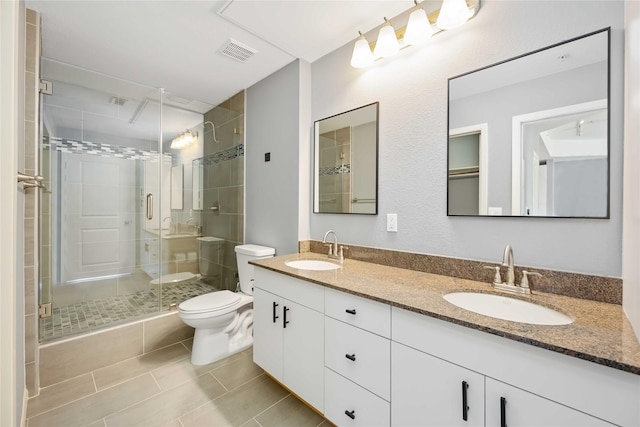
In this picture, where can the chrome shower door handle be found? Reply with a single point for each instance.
(149, 206)
(30, 181)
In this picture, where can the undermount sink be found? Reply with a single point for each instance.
(505, 308)
(312, 264)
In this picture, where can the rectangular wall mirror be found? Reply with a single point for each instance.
(346, 162)
(529, 136)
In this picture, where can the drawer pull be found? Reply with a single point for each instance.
(285, 321)
(465, 408)
(353, 311)
(503, 412)
(275, 304)
(350, 414)
(351, 357)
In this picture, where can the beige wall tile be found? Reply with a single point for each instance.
(120, 372)
(31, 378)
(71, 358)
(165, 330)
(238, 406)
(98, 405)
(30, 338)
(31, 16)
(290, 412)
(61, 394)
(169, 405)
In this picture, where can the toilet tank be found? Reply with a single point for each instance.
(244, 254)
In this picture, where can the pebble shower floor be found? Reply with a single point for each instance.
(91, 314)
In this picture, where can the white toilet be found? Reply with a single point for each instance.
(224, 320)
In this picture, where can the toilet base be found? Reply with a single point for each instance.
(210, 345)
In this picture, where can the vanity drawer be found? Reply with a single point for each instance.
(364, 313)
(300, 291)
(358, 355)
(364, 408)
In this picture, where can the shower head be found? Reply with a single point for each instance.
(214, 130)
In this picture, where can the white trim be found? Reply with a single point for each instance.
(9, 133)
(516, 141)
(483, 160)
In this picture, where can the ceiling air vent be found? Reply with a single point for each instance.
(238, 51)
(116, 100)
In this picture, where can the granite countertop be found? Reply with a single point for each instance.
(600, 333)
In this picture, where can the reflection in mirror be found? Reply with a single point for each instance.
(177, 179)
(346, 162)
(541, 122)
(197, 170)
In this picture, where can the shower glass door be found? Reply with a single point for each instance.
(104, 172)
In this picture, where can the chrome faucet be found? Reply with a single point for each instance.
(334, 252)
(509, 285)
(507, 261)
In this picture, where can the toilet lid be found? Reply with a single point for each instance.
(210, 302)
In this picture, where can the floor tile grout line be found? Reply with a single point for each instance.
(239, 385)
(219, 382)
(266, 409)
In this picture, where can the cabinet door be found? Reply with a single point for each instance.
(427, 391)
(267, 332)
(303, 352)
(513, 407)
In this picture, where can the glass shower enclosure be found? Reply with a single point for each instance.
(105, 209)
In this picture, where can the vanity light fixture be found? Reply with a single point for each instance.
(183, 140)
(362, 55)
(419, 29)
(387, 44)
(453, 14)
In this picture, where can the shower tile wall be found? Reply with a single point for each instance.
(335, 168)
(223, 182)
(31, 197)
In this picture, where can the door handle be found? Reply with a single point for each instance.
(285, 321)
(350, 414)
(351, 357)
(465, 408)
(503, 412)
(275, 304)
(149, 206)
(351, 311)
(30, 181)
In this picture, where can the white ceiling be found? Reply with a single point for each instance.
(174, 44)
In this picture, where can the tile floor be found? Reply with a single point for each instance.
(162, 388)
(112, 310)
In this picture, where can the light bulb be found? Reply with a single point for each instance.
(387, 43)
(362, 55)
(453, 13)
(418, 28)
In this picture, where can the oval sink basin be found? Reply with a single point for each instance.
(501, 307)
(312, 264)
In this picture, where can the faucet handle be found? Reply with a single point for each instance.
(341, 253)
(524, 283)
(330, 245)
(496, 279)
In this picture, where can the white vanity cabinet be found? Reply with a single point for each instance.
(357, 360)
(428, 391)
(539, 387)
(289, 333)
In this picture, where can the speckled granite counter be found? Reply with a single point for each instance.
(600, 332)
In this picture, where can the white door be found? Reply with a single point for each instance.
(427, 391)
(98, 216)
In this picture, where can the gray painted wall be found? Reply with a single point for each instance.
(631, 267)
(272, 126)
(412, 90)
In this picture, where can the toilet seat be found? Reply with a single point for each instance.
(211, 302)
